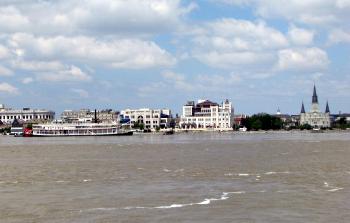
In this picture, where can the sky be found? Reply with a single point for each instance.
(260, 54)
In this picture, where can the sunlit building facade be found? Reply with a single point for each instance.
(206, 114)
(315, 117)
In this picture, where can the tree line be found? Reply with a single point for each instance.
(262, 122)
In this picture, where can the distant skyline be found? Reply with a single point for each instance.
(260, 54)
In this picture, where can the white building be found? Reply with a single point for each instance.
(150, 118)
(8, 115)
(315, 117)
(207, 115)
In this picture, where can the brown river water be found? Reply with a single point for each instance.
(193, 177)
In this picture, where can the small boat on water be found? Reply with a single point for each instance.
(80, 129)
(316, 130)
(169, 132)
(242, 129)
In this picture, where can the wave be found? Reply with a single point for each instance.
(206, 201)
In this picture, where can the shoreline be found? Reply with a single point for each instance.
(202, 131)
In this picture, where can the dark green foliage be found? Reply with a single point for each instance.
(341, 123)
(140, 126)
(256, 124)
(5, 130)
(262, 122)
(305, 126)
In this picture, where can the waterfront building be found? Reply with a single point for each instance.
(207, 115)
(345, 116)
(149, 118)
(86, 115)
(25, 115)
(315, 117)
(288, 120)
(238, 119)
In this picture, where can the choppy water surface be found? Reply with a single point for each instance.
(207, 177)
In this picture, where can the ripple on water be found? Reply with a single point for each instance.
(206, 201)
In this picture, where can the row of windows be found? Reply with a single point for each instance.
(316, 123)
(225, 125)
(138, 112)
(207, 119)
(147, 116)
(149, 122)
(4, 117)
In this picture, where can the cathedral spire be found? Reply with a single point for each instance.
(302, 108)
(327, 108)
(314, 96)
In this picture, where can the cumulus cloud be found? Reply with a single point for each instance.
(4, 52)
(338, 36)
(118, 53)
(232, 43)
(299, 59)
(12, 20)
(8, 88)
(300, 36)
(321, 13)
(37, 66)
(71, 73)
(5, 71)
(112, 34)
(93, 16)
(129, 16)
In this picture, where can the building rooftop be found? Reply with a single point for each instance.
(314, 96)
(206, 104)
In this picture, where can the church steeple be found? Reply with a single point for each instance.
(314, 96)
(327, 108)
(302, 108)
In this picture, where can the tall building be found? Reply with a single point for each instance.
(207, 115)
(150, 118)
(315, 117)
(8, 115)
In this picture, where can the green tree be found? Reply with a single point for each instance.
(276, 123)
(257, 124)
(305, 126)
(136, 125)
(262, 121)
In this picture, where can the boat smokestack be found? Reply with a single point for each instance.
(95, 116)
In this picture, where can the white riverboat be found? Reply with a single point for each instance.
(80, 129)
